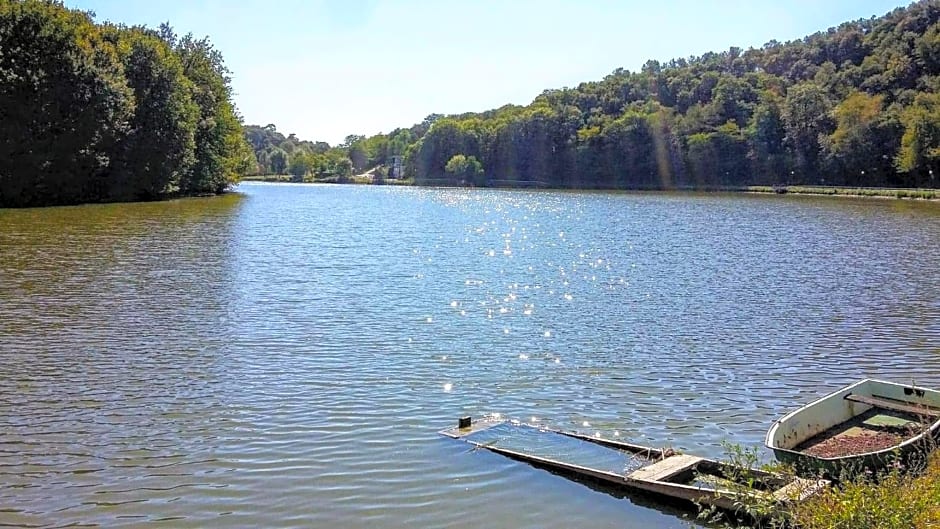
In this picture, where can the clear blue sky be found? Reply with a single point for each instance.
(324, 69)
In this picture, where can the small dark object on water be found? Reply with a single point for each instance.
(464, 422)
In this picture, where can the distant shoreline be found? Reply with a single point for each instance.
(925, 194)
(862, 192)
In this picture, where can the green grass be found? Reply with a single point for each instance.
(268, 178)
(895, 498)
(892, 500)
(883, 192)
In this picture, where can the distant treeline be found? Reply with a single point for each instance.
(276, 154)
(857, 105)
(97, 112)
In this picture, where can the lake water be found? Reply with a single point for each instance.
(284, 356)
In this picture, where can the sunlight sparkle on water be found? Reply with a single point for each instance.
(547, 334)
(448, 387)
(429, 319)
(523, 356)
(585, 424)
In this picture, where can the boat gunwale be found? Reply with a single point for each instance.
(931, 430)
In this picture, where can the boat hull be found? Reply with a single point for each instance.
(790, 435)
(666, 473)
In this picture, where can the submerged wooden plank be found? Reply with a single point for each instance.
(667, 468)
(894, 405)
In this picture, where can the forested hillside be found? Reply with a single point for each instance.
(96, 112)
(857, 105)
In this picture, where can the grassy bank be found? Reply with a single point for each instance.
(268, 178)
(359, 179)
(894, 500)
(880, 192)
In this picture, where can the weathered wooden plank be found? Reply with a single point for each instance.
(665, 469)
(893, 405)
(799, 489)
(476, 426)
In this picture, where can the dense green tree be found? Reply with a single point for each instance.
(159, 147)
(806, 116)
(64, 103)
(342, 168)
(733, 100)
(718, 158)
(919, 154)
(443, 140)
(94, 112)
(465, 170)
(627, 153)
(358, 155)
(279, 161)
(300, 164)
(861, 136)
(221, 150)
(766, 136)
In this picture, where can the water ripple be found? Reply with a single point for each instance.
(283, 358)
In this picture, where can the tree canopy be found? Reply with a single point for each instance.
(97, 112)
